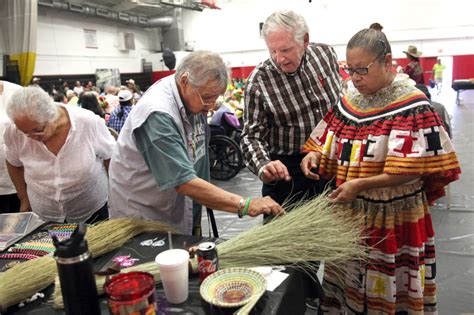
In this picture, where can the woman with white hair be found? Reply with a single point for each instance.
(57, 157)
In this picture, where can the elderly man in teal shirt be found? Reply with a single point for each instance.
(160, 165)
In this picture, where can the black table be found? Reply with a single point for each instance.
(288, 298)
(461, 85)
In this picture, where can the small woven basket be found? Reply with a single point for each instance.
(232, 287)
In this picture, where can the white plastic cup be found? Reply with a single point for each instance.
(173, 265)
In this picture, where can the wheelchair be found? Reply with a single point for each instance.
(225, 155)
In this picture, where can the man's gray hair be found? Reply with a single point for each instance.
(286, 20)
(33, 103)
(203, 66)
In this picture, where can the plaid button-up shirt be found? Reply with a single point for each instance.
(116, 122)
(282, 109)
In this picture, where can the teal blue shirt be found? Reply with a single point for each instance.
(160, 143)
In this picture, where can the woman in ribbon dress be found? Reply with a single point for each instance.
(391, 157)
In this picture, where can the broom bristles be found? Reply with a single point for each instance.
(25, 279)
(312, 231)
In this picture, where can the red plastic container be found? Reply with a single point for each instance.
(131, 293)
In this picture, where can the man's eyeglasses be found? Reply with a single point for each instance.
(206, 104)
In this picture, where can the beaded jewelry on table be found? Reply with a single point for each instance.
(40, 244)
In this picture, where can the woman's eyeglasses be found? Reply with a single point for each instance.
(36, 133)
(365, 70)
(361, 70)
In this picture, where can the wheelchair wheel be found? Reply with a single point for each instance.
(225, 157)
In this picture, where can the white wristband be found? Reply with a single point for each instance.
(260, 172)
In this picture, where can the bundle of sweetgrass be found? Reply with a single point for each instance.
(112, 234)
(312, 231)
(27, 278)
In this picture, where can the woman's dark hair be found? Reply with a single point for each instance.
(371, 40)
(376, 26)
(88, 100)
(59, 97)
(122, 105)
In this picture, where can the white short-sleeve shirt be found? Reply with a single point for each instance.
(71, 185)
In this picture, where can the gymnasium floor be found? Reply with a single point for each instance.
(453, 217)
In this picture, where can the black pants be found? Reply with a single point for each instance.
(99, 215)
(9, 203)
(297, 189)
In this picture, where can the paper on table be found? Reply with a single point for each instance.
(274, 277)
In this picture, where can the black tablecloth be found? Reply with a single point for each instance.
(288, 298)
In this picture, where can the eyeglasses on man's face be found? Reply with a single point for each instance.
(206, 104)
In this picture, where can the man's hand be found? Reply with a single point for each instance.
(264, 205)
(275, 171)
(311, 161)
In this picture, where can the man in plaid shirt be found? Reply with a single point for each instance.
(285, 98)
(120, 114)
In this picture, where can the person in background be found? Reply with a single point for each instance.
(439, 108)
(111, 98)
(137, 93)
(413, 68)
(160, 165)
(391, 158)
(59, 97)
(72, 98)
(285, 97)
(35, 82)
(437, 74)
(78, 88)
(89, 101)
(120, 114)
(57, 157)
(9, 201)
(396, 68)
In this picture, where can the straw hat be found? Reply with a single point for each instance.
(413, 51)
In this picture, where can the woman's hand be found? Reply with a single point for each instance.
(346, 192)
(311, 161)
(264, 205)
(25, 205)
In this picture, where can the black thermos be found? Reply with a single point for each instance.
(76, 274)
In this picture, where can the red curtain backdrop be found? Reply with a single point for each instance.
(158, 75)
(463, 67)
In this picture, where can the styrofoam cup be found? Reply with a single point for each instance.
(173, 265)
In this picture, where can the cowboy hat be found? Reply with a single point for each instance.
(413, 51)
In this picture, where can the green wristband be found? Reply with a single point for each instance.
(245, 211)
